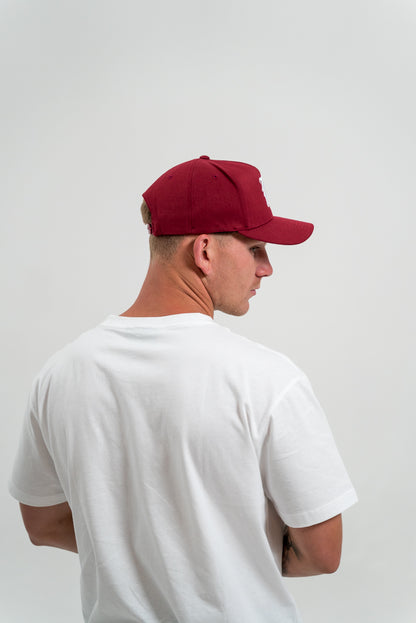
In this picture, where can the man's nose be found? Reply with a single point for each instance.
(264, 268)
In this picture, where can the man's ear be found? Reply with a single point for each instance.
(203, 252)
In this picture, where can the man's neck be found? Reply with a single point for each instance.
(167, 291)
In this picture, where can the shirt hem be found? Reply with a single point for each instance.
(333, 508)
(35, 500)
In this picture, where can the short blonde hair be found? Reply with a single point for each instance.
(163, 246)
(166, 246)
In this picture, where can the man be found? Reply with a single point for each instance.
(189, 467)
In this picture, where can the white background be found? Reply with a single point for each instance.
(98, 98)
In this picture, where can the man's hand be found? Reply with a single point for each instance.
(50, 525)
(312, 550)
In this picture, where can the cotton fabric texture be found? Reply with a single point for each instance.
(182, 449)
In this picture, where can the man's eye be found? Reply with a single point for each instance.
(254, 249)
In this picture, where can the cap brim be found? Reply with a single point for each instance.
(280, 230)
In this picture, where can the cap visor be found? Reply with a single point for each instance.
(280, 230)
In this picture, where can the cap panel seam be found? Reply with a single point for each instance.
(218, 166)
(191, 196)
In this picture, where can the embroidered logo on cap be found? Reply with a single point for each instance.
(263, 190)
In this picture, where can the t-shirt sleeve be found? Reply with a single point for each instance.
(303, 473)
(34, 480)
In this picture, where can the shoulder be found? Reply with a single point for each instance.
(253, 358)
(78, 353)
(249, 348)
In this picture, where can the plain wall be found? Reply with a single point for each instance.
(98, 98)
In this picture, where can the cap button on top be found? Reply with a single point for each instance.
(204, 157)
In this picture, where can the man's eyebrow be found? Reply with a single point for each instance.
(257, 242)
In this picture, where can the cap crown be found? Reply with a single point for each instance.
(207, 196)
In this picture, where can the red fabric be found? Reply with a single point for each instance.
(208, 196)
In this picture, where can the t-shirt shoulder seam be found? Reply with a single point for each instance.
(300, 377)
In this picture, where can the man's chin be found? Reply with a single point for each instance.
(236, 311)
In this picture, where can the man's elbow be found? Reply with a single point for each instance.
(313, 550)
(40, 533)
(330, 565)
(323, 543)
(37, 538)
(327, 562)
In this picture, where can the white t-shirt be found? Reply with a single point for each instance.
(181, 449)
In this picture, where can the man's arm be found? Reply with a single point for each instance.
(50, 525)
(312, 550)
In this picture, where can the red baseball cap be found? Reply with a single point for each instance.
(204, 196)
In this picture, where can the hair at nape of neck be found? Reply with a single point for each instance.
(162, 246)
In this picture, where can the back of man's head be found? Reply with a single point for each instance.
(163, 247)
